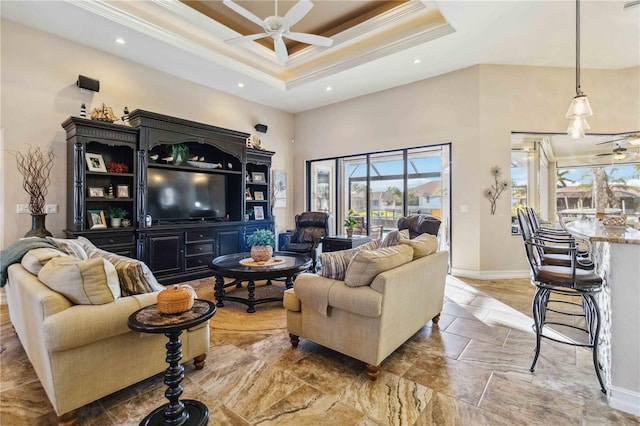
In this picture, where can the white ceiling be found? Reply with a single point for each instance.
(373, 56)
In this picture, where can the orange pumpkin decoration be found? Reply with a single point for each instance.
(176, 299)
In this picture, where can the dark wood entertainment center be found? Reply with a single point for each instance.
(214, 171)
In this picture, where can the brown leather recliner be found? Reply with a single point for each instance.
(310, 228)
(419, 224)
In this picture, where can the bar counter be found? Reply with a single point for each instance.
(615, 250)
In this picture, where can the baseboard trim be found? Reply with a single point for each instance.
(625, 400)
(489, 275)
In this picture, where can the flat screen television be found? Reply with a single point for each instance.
(177, 195)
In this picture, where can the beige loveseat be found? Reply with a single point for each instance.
(84, 352)
(370, 321)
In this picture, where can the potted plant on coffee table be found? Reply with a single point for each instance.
(116, 214)
(261, 242)
(350, 222)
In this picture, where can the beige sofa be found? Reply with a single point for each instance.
(84, 352)
(368, 322)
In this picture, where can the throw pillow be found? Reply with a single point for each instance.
(83, 282)
(71, 247)
(423, 245)
(85, 243)
(391, 239)
(35, 259)
(365, 265)
(135, 276)
(334, 263)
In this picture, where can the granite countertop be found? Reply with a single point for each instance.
(596, 231)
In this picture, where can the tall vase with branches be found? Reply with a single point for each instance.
(35, 167)
(496, 189)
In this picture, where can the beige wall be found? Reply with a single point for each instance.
(476, 109)
(39, 72)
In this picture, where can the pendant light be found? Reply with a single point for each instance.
(579, 108)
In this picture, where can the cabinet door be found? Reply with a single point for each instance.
(165, 253)
(228, 242)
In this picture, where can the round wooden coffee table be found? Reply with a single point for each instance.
(286, 268)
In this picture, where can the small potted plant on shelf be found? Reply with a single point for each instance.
(116, 214)
(261, 242)
(350, 222)
(180, 153)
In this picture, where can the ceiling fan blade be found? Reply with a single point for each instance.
(296, 13)
(611, 141)
(243, 12)
(309, 39)
(604, 155)
(243, 39)
(281, 50)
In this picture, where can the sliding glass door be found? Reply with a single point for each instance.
(382, 187)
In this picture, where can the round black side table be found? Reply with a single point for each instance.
(151, 320)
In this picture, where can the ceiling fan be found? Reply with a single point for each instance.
(619, 153)
(277, 27)
(631, 139)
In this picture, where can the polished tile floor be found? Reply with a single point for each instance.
(470, 369)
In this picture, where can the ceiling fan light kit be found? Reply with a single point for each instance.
(580, 107)
(277, 27)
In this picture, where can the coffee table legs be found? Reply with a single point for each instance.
(251, 300)
(176, 412)
(218, 290)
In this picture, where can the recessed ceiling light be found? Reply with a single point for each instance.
(329, 88)
(120, 40)
(241, 85)
(416, 61)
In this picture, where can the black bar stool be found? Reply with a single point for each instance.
(562, 282)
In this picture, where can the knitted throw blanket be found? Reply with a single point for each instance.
(15, 252)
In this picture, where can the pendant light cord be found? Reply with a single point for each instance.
(578, 90)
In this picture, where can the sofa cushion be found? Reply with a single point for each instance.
(71, 247)
(365, 265)
(423, 245)
(35, 259)
(334, 264)
(83, 282)
(135, 276)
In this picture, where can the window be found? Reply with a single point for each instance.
(583, 191)
(382, 187)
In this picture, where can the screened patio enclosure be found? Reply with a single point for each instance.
(382, 187)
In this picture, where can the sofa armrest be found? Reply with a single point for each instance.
(28, 289)
(285, 238)
(84, 324)
(313, 291)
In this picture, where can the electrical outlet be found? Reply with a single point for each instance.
(22, 209)
(51, 208)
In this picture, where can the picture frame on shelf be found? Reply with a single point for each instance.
(95, 162)
(96, 192)
(122, 191)
(259, 195)
(258, 177)
(96, 219)
(258, 213)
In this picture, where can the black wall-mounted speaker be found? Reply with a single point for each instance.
(262, 128)
(88, 83)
